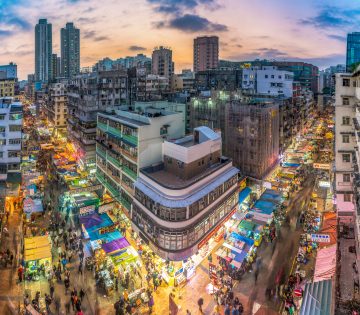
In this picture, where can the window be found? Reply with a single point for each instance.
(272, 76)
(279, 76)
(346, 157)
(346, 178)
(346, 82)
(266, 76)
(345, 101)
(346, 139)
(12, 154)
(1, 154)
(347, 197)
(2, 141)
(2, 117)
(15, 128)
(346, 120)
(14, 141)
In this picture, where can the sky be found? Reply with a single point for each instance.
(309, 30)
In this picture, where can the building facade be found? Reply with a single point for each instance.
(56, 105)
(352, 50)
(43, 51)
(206, 53)
(87, 94)
(70, 51)
(268, 80)
(127, 141)
(162, 63)
(11, 121)
(219, 79)
(7, 87)
(182, 201)
(56, 66)
(8, 71)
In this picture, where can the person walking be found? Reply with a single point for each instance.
(80, 269)
(52, 289)
(200, 304)
(48, 301)
(81, 294)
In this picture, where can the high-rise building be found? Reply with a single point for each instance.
(70, 50)
(43, 51)
(206, 53)
(352, 50)
(55, 64)
(8, 71)
(162, 63)
(56, 105)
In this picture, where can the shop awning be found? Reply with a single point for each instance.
(317, 298)
(115, 245)
(37, 253)
(246, 240)
(247, 225)
(106, 237)
(325, 264)
(244, 194)
(36, 242)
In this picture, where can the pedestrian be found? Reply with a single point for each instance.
(151, 303)
(52, 289)
(67, 307)
(20, 273)
(80, 269)
(188, 312)
(81, 294)
(200, 304)
(48, 301)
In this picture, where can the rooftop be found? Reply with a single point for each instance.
(158, 174)
(204, 134)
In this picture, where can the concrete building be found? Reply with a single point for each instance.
(8, 71)
(206, 53)
(138, 61)
(346, 157)
(162, 63)
(56, 105)
(7, 87)
(56, 66)
(43, 51)
(268, 80)
(70, 51)
(252, 135)
(181, 201)
(219, 79)
(87, 94)
(127, 141)
(11, 121)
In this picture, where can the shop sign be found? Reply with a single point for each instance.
(85, 189)
(106, 207)
(323, 183)
(320, 238)
(107, 229)
(242, 184)
(322, 166)
(86, 210)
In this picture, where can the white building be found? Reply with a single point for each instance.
(182, 200)
(268, 80)
(128, 141)
(11, 120)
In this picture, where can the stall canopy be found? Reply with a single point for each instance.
(329, 227)
(106, 237)
(263, 206)
(95, 221)
(325, 265)
(317, 298)
(115, 245)
(244, 194)
(37, 248)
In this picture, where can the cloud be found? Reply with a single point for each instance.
(337, 37)
(10, 19)
(5, 33)
(92, 35)
(191, 23)
(136, 48)
(333, 17)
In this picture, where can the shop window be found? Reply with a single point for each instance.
(347, 197)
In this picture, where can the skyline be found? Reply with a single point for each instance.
(309, 31)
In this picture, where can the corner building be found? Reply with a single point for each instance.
(181, 202)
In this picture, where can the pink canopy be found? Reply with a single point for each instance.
(325, 265)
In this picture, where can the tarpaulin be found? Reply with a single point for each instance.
(115, 245)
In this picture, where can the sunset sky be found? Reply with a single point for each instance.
(310, 30)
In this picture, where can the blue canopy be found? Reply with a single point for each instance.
(246, 240)
(244, 194)
(263, 206)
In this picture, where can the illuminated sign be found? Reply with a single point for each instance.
(320, 238)
(86, 210)
(322, 166)
(325, 184)
(85, 189)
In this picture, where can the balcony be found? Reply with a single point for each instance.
(132, 139)
(100, 151)
(114, 161)
(129, 172)
(102, 126)
(114, 131)
(114, 192)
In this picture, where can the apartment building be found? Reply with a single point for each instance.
(11, 120)
(87, 94)
(181, 201)
(7, 87)
(127, 141)
(56, 105)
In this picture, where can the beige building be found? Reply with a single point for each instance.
(56, 105)
(206, 53)
(162, 63)
(7, 87)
